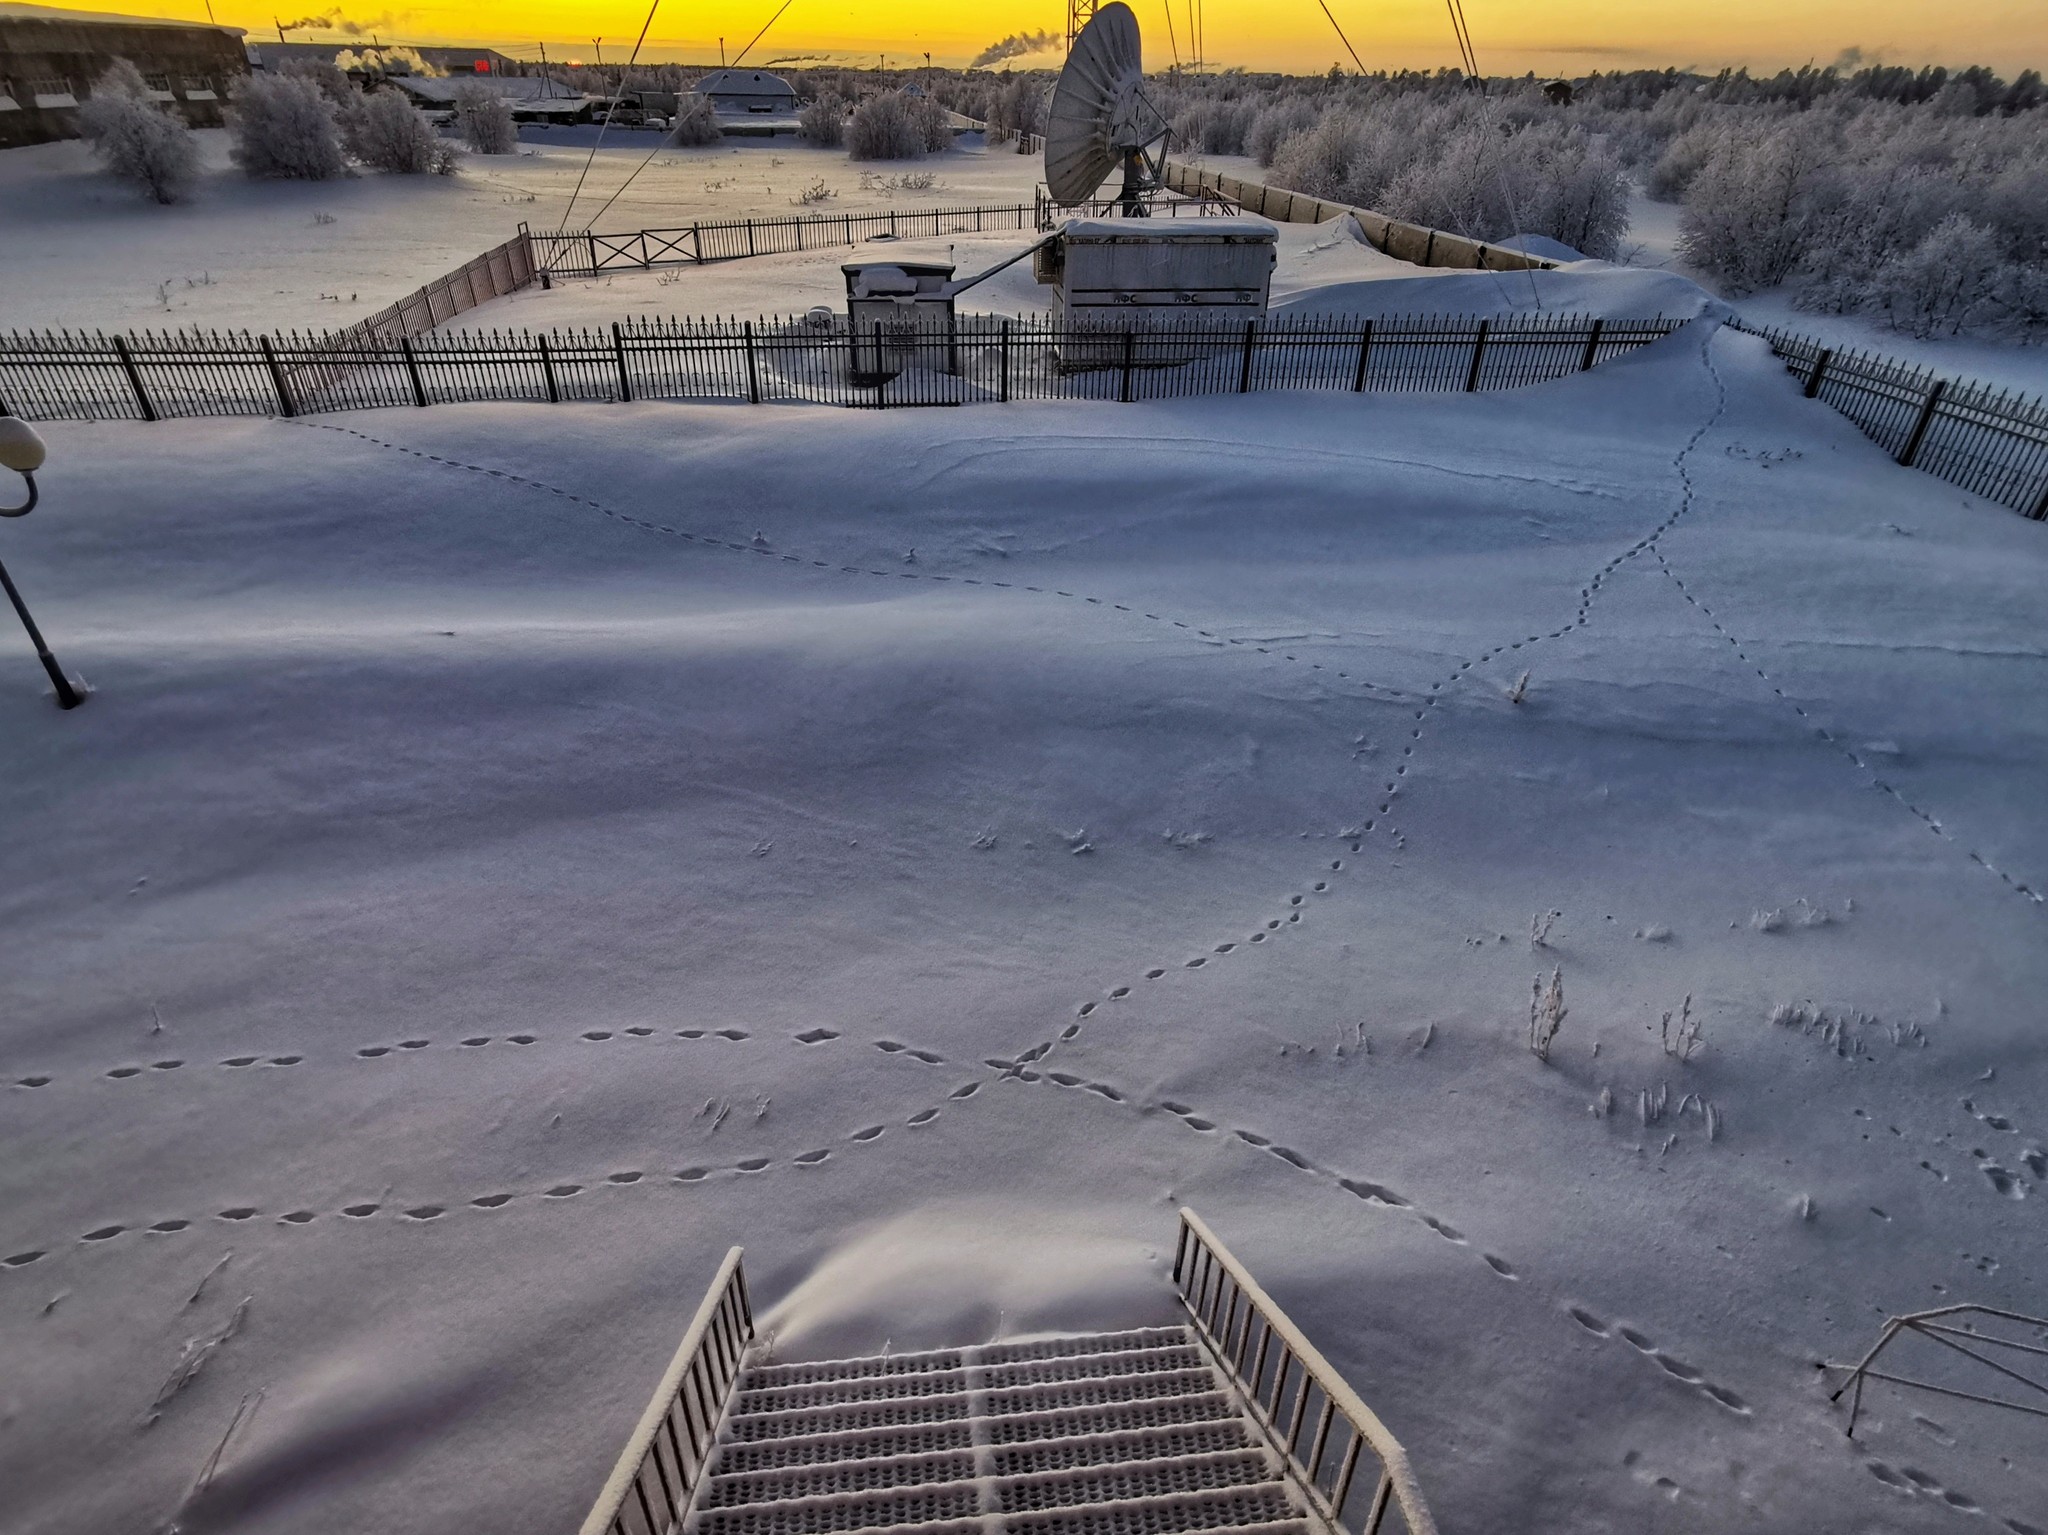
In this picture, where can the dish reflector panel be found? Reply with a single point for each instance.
(1098, 113)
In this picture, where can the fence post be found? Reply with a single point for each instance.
(1820, 366)
(547, 369)
(753, 368)
(697, 243)
(1003, 370)
(590, 240)
(619, 352)
(284, 395)
(412, 371)
(1926, 418)
(134, 373)
(2040, 511)
(1244, 364)
(1364, 356)
(1592, 343)
(1130, 356)
(1478, 356)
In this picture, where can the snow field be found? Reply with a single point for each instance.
(517, 852)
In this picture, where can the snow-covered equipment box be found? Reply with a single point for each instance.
(1101, 270)
(899, 313)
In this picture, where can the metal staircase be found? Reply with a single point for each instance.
(1191, 1430)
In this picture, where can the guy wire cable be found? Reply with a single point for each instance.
(1471, 58)
(601, 127)
(662, 143)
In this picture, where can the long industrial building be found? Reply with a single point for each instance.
(49, 59)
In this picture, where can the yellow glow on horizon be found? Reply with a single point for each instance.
(1569, 37)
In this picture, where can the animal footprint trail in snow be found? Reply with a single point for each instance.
(1875, 778)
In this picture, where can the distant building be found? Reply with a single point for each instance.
(50, 58)
(1558, 92)
(456, 61)
(748, 92)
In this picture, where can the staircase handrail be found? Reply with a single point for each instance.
(649, 1491)
(1224, 1302)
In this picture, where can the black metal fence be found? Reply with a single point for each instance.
(975, 359)
(1990, 441)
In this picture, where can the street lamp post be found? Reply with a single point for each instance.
(22, 451)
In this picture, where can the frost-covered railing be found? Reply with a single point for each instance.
(974, 359)
(1354, 1472)
(1988, 440)
(650, 1488)
(585, 253)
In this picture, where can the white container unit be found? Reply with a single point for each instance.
(1111, 273)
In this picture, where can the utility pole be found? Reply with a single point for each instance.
(280, 29)
(721, 53)
(547, 87)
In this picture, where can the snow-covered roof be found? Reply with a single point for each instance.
(507, 87)
(743, 82)
(1153, 229)
(14, 10)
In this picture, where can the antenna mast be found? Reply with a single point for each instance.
(1079, 14)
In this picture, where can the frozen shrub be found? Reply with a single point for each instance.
(696, 122)
(823, 121)
(1946, 282)
(1681, 160)
(136, 139)
(387, 132)
(1273, 125)
(884, 127)
(1748, 211)
(934, 127)
(485, 119)
(283, 126)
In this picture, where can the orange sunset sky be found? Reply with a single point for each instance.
(1570, 37)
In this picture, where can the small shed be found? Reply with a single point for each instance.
(747, 92)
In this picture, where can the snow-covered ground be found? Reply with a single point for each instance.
(80, 250)
(926, 847)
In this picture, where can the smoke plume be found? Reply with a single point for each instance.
(332, 20)
(1015, 46)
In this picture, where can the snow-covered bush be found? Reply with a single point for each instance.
(1948, 282)
(696, 122)
(1750, 208)
(282, 125)
(1273, 125)
(135, 138)
(485, 119)
(823, 121)
(387, 132)
(885, 127)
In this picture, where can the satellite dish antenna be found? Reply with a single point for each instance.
(1100, 118)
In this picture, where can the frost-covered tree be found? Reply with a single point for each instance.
(823, 121)
(283, 126)
(485, 119)
(696, 122)
(387, 132)
(1749, 210)
(135, 138)
(884, 127)
(1947, 282)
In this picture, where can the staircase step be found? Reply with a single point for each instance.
(775, 1422)
(1118, 1449)
(727, 1489)
(941, 1381)
(845, 1511)
(1227, 1508)
(1113, 1418)
(827, 1449)
(1134, 1480)
(957, 1358)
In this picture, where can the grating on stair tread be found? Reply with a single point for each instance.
(818, 1480)
(852, 1415)
(1115, 1449)
(1062, 1395)
(1115, 1417)
(1134, 1479)
(1265, 1503)
(859, 1511)
(824, 1449)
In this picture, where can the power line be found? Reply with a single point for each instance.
(786, 4)
(1342, 38)
(601, 127)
